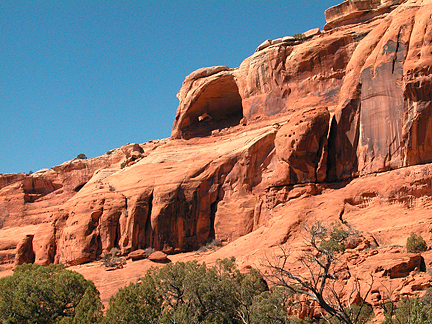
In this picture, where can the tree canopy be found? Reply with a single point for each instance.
(51, 294)
(188, 292)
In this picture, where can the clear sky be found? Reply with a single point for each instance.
(90, 76)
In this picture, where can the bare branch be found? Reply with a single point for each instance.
(316, 282)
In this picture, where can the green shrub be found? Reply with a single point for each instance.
(415, 244)
(188, 293)
(358, 314)
(81, 156)
(51, 294)
(416, 310)
(136, 303)
(331, 246)
(333, 239)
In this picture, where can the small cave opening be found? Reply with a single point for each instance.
(78, 188)
(219, 106)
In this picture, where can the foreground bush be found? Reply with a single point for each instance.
(37, 294)
(188, 293)
(415, 310)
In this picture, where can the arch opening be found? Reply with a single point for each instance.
(218, 106)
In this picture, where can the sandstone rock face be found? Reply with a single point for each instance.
(24, 252)
(333, 127)
(377, 115)
(373, 78)
(33, 204)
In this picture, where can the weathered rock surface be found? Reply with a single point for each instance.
(357, 11)
(331, 127)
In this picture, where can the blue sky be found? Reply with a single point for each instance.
(90, 76)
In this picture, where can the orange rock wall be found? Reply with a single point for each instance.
(351, 101)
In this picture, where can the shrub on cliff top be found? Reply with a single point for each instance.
(299, 36)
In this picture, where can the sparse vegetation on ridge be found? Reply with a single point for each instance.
(415, 310)
(299, 36)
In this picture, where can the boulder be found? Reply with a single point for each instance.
(357, 11)
(264, 45)
(159, 257)
(312, 32)
(137, 255)
(288, 39)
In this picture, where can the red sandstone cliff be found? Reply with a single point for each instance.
(305, 129)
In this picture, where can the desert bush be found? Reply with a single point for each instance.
(188, 292)
(359, 314)
(274, 307)
(51, 294)
(299, 36)
(210, 245)
(81, 156)
(415, 310)
(332, 239)
(415, 244)
(113, 258)
(135, 303)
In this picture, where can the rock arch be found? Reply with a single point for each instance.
(217, 106)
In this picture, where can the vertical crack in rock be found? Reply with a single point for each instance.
(148, 232)
(396, 49)
(213, 210)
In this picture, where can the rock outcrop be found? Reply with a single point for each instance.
(334, 125)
